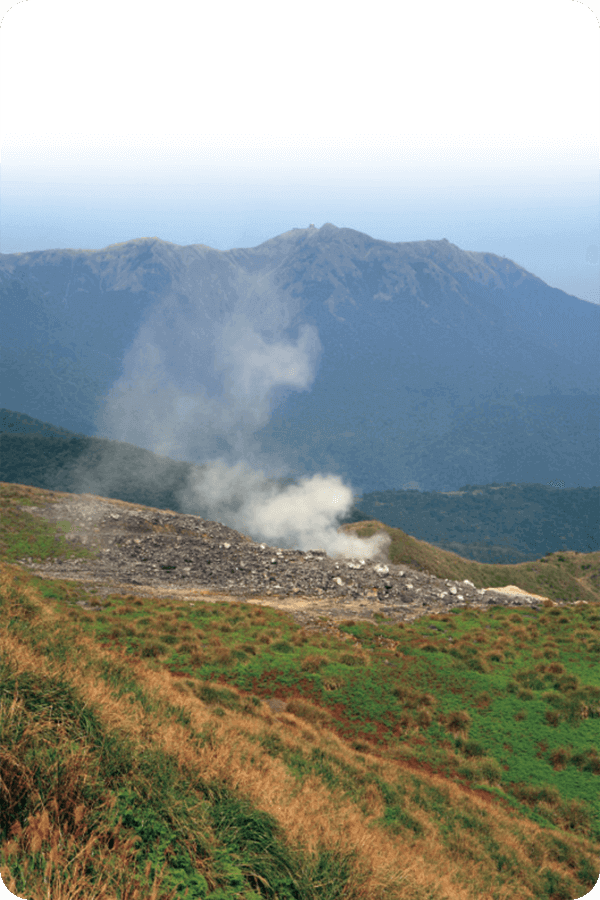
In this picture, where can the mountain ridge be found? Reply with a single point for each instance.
(439, 339)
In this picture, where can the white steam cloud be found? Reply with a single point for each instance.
(300, 516)
(198, 381)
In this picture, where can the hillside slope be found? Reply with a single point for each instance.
(220, 751)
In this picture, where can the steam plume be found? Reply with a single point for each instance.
(198, 381)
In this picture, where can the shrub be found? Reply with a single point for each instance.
(473, 748)
(352, 659)
(489, 769)
(458, 720)
(574, 815)
(283, 647)
(533, 795)
(478, 664)
(406, 721)
(424, 719)
(313, 662)
(587, 761)
(427, 700)
(525, 694)
(153, 649)
(308, 711)
(560, 757)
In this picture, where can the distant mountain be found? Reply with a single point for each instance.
(506, 524)
(433, 366)
(12, 422)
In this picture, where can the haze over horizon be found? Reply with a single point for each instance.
(226, 126)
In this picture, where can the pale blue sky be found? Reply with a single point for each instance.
(226, 124)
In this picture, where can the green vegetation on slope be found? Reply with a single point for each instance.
(455, 757)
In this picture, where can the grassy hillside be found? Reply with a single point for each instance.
(451, 759)
(563, 576)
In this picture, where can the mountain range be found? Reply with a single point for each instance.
(393, 365)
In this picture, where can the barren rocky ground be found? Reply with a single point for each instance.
(142, 550)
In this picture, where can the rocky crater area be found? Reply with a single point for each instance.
(139, 549)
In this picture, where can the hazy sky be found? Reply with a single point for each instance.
(226, 124)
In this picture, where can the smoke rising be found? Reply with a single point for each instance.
(199, 379)
(301, 516)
